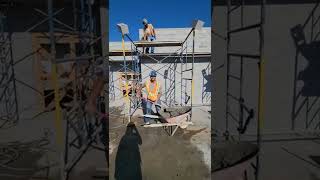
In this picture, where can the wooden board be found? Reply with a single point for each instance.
(166, 124)
(158, 43)
(120, 53)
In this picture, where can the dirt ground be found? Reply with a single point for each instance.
(150, 154)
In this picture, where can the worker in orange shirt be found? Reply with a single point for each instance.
(152, 96)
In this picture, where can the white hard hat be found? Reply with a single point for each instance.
(144, 21)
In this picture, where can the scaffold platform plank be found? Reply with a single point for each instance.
(158, 43)
(197, 55)
(167, 124)
(120, 53)
(162, 55)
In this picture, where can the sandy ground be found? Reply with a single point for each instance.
(151, 154)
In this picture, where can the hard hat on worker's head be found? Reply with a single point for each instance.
(153, 74)
(144, 21)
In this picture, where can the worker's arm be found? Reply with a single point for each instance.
(153, 32)
(159, 94)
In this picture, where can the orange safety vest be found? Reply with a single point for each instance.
(152, 93)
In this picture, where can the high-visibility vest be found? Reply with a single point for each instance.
(152, 94)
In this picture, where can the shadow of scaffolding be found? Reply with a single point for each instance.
(306, 104)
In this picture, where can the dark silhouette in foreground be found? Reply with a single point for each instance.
(128, 159)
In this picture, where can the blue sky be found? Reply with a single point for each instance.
(161, 13)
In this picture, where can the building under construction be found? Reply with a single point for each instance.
(182, 60)
(266, 89)
(48, 51)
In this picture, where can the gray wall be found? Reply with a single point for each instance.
(202, 83)
(280, 57)
(202, 38)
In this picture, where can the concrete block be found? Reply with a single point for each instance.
(197, 24)
(123, 28)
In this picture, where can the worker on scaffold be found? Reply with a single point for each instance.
(151, 96)
(149, 34)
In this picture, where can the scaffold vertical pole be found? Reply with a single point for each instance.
(192, 80)
(128, 110)
(261, 83)
(228, 69)
(58, 118)
(181, 75)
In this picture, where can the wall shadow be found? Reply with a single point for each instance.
(128, 158)
(310, 51)
(206, 85)
(307, 96)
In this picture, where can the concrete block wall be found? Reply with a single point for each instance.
(202, 39)
(117, 46)
(202, 83)
(280, 57)
(202, 90)
(201, 94)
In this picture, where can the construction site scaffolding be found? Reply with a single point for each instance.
(233, 55)
(89, 131)
(76, 131)
(9, 115)
(132, 102)
(245, 113)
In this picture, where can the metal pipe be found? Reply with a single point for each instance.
(181, 75)
(261, 84)
(241, 77)
(58, 119)
(126, 77)
(192, 81)
(13, 72)
(228, 68)
(188, 35)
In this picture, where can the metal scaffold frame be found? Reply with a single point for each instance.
(259, 57)
(86, 128)
(9, 114)
(132, 102)
(76, 130)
